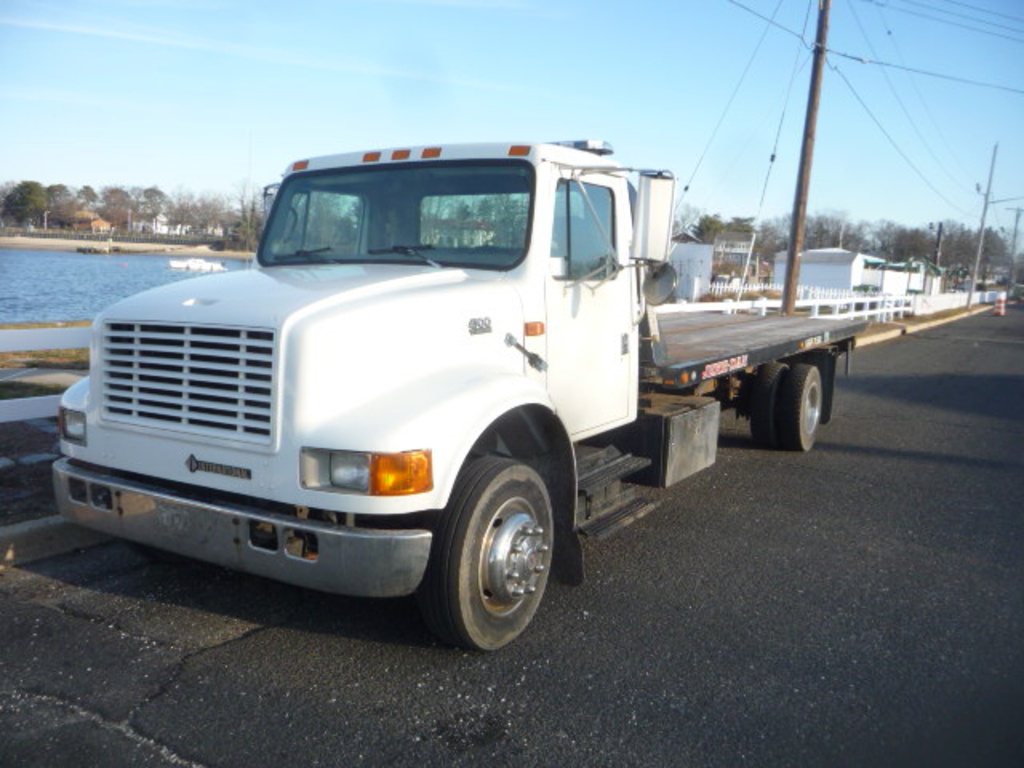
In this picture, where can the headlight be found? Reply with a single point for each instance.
(73, 426)
(349, 471)
(373, 474)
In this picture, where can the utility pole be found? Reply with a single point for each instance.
(1013, 248)
(938, 245)
(796, 232)
(981, 234)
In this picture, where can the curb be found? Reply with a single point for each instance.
(876, 338)
(38, 539)
(50, 536)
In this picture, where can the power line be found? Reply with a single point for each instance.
(782, 120)
(931, 7)
(728, 104)
(903, 107)
(864, 60)
(891, 37)
(953, 78)
(892, 141)
(984, 10)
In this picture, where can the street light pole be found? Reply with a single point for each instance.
(1013, 248)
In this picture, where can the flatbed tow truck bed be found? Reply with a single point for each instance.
(696, 347)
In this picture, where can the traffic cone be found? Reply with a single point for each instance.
(1000, 305)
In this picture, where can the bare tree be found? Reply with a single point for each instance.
(60, 200)
(180, 211)
(248, 223)
(116, 206)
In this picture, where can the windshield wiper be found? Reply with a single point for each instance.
(303, 254)
(408, 250)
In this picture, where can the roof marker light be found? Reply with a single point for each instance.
(300, 165)
(518, 150)
(595, 146)
(431, 153)
(371, 157)
(400, 154)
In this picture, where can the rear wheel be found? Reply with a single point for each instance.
(491, 556)
(799, 408)
(763, 404)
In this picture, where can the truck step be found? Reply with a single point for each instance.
(609, 470)
(611, 522)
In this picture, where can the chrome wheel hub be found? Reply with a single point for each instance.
(812, 409)
(516, 552)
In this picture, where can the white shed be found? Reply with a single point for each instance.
(692, 261)
(830, 268)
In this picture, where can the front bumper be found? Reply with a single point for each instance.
(349, 561)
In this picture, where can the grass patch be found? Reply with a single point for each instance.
(12, 390)
(72, 359)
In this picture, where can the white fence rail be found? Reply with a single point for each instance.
(37, 339)
(879, 308)
(841, 304)
(726, 290)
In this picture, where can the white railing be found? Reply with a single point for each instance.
(37, 339)
(727, 290)
(879, 308)
(831, 302)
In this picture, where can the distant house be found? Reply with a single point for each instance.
(87, 221)
(913, 276)
(157, 225)
(732, 251)
(833, 268)
(846, 270)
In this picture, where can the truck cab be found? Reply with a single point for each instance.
(393, 400)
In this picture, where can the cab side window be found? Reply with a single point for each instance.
(584, 229)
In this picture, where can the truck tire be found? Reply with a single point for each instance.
(764, 404)
(799, 407)
(491, 556)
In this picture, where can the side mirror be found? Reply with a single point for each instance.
(659, 282)
(652, 219)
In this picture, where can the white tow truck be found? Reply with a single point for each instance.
(434, 381)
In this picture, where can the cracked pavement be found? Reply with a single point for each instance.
(858, 605)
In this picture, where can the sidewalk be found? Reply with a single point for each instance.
(30, 526)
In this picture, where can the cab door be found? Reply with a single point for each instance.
(591, 340)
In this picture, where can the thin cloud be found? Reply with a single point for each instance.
(57, 96)
(160, 37)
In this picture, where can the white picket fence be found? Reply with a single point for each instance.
(37, 339)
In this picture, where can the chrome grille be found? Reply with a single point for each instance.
(205, 379)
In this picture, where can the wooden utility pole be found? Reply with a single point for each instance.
(796, 231)
(981, 229)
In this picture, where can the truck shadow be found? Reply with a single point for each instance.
(184, 602)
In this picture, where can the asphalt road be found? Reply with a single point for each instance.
(862, 604)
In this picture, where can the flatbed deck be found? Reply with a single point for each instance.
(695, 347)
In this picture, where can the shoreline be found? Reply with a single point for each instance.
(19, 243)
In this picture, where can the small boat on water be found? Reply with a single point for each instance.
(196, 264)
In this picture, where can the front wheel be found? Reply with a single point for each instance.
(491, 556)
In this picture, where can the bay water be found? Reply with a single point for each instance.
(56, 286)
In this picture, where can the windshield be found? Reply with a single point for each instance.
(457, 214)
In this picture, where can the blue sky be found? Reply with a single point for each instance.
(210, 95)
